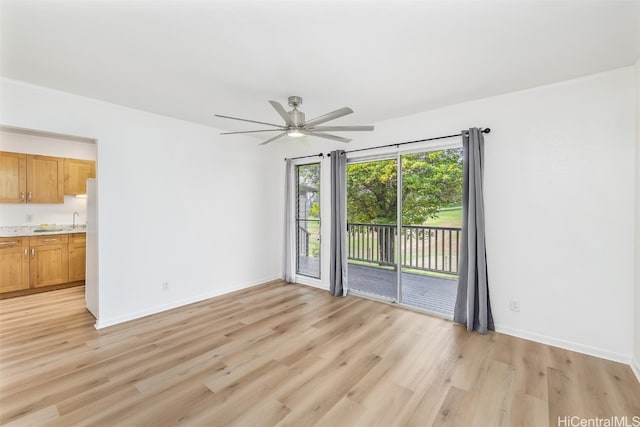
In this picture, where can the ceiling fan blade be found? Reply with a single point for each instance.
(342, 128)
(283, 113)
(329, 136)
(253, 131)
(329, 116)
(273, 139)
(246, 120)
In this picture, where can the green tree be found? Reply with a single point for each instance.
(430, 181)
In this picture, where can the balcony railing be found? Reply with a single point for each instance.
(423, 248)
(303, 241)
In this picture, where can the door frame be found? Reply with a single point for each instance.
(323, 281)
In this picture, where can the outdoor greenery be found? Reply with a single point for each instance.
(309, 202)
(430, 181)
(431, 194)
(309, 184)
(447, 217)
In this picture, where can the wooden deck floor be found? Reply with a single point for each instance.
(424, 292)
(309, 266)
(287, 355)
(420, 291)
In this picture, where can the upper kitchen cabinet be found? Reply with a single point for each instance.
(76, 173)
(13, 177)
(45, 179)
(31, 178)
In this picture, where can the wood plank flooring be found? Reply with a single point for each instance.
(288, 355)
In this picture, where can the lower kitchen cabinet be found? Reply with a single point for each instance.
(40, 263)
(49, 263)
(14, 264)
(77, 256)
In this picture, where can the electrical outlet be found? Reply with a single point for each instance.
(514, 305)
(165, 286)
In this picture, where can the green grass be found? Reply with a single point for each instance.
(447, 217)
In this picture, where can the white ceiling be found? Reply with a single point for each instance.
(191, 59)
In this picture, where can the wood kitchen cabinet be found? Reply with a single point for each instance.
(13, 177)
(14, 263)
(45, 179)
(31, 178)
(41, 263)
(49, 260)
(77, 256)
(76, 173)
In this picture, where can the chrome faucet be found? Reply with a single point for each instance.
(74, 219)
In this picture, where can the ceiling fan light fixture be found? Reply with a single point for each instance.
(296, 126)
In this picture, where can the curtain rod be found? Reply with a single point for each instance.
(398, 144)
(485, 130)
(304, 157)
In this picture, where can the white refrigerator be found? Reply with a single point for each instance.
(91, 280)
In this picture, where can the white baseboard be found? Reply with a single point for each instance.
(103, 323)
(635, 366)
(568, 345)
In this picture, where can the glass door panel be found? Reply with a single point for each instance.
(308, 220)
(430, 229)
(372, 228)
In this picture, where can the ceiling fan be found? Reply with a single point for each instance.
(296, 126)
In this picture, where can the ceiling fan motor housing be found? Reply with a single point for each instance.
(294, 101)
(297, 117)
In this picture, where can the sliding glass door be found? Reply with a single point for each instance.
(404, 220)
(430, 231)
(372, 217)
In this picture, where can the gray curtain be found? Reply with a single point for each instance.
(288, 269)
(338, 254)
(472, 303)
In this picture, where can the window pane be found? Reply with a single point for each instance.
(308, 220)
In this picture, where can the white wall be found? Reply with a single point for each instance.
(559, 200)
(636, 361)
(51, 213)
(177, 202)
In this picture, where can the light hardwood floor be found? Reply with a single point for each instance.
(281, 354)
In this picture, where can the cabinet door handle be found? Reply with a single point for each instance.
(33, 252)
(22, 195)
(28, 195)
(26, 252)
(49, 240)
(7, 243)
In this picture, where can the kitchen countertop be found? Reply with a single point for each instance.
(29, 230)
